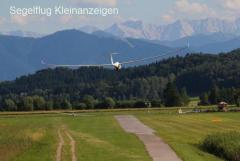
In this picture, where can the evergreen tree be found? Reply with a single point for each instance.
(128, 85)
(1, 104)
(57, 103)
(214, 96)
(204, 99)
(184, 96)
(238, 102)
(237, 98)
(172, 96)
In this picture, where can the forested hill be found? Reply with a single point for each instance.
(22, 55)
(196, 72)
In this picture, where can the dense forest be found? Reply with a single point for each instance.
(164, 83)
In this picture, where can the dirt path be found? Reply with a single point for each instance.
(157, 149)
(73, 146)
(60, 146)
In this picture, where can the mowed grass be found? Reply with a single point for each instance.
(27, 138)
(184, 133)
(98, 138)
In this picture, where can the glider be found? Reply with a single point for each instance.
(117, 65)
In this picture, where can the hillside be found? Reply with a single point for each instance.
(21, 55)
(196, 72)
(197, 41)
(217, 47)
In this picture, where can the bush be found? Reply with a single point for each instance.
(49, 105)
(156, 103)
(224, 145)
(125, 104)
(27, 104)
(238, 102)
(82, 106)
(10, 105)
(38, 102)
(140, 104)
(89, 101)
(66, 104)
(79, 105)
(109, 102)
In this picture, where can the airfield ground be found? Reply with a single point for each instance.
(97, 136)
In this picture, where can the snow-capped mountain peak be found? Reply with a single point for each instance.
(134, 29)
(176, 30)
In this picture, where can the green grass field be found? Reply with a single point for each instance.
(184, 133)
(99, 137)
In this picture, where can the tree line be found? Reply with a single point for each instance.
(216, 95)
(13, 102)
(164, 83)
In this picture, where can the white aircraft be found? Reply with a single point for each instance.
(117, 65)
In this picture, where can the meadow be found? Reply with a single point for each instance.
(98, 136)
(185, 133)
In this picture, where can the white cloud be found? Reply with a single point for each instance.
(168, 18)
(185, 8)
(25, 20)
(2, 20)
(65, 19)
(192, 8)
(77, 21)
(20, 20)
(96, 2)
(231, 4)
(108, 3)
(68, 19)
(129, 2)
(227, 9)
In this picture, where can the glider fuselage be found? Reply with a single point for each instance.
(117, 66)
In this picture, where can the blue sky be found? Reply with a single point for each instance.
(149, 11)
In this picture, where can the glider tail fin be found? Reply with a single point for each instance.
(111, 57)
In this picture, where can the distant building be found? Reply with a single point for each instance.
(222, 106)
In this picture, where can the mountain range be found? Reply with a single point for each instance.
(204, 35)
(22, 55)
(171, 32)
(21, 52)
(177, 30)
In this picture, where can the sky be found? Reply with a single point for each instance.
(156, 12)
